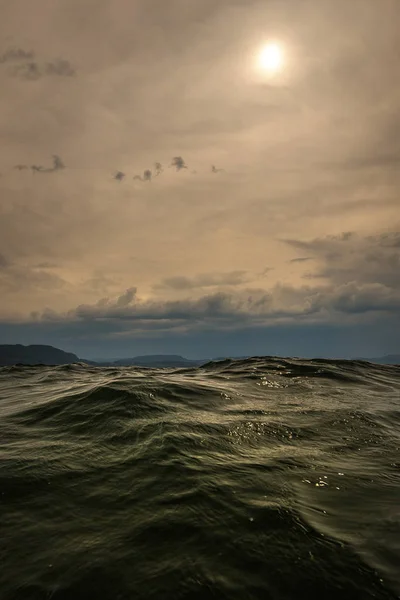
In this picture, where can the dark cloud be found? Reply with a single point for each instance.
(147, 176)
(178, 163)
(323, 303)
(60, 67)
(362, 273)
(29, 68)
(204, 280)
(386, 240)
(58, 165)
(127, 298)
(349, 257)
(129, 308)
(38, 168)
(4, 262)
(158, 169)
(30, 71)
(16, 54)
(374, 297)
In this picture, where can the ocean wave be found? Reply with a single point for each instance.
(257, 478)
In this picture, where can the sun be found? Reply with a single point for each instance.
(271, 58)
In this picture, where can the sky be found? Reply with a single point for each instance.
(160, 192)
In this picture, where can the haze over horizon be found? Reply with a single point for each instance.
(200, 178)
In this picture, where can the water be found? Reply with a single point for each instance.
(262, 478)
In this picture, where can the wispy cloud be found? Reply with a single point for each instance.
(30, 71)
(147, 176)
(60, 67)
(16, 54)
(4, 262)
(15, 276)
(204, 280)
(23, 64)
(301, 259)
(58, 165)
(158, 169)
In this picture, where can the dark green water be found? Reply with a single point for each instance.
(255, 479)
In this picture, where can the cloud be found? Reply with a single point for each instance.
(46, 265)
(16, 54)
(60, 67)
(4, 262)
(178, 163)
(264, 272)
(15, 276)
(119, 176)
(350, 257)
(158, 169)
(30, 69)
(147, 175)
(361, 280)
(38, 169)
(134, 105)
(204, 280)
(127, 298)
(215, 170)
(58, 165)
(245, 308)
(301, 259)
(352, 298)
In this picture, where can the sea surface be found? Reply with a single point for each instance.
(250, 479)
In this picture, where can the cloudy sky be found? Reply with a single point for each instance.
(117, 235)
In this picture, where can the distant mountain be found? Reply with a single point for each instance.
(389, 359)
(35, 355)
(13, 354)
(158, 360)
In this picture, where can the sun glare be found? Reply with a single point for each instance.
(271, 58)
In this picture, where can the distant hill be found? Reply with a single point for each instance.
(389, 359)
(13, 354)
(158, 360)
(34, 355)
